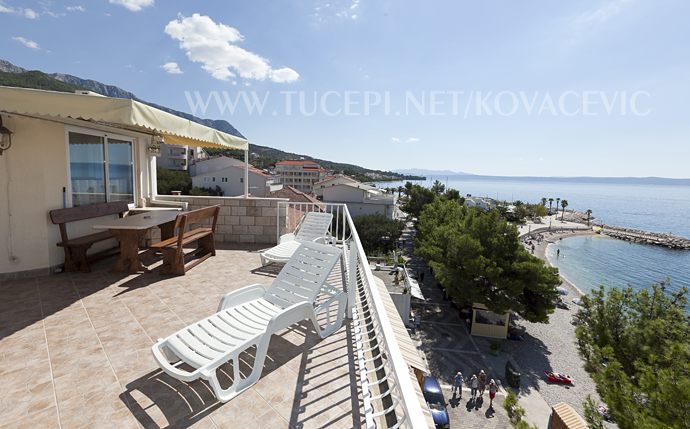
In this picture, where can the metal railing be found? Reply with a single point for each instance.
(388, 396)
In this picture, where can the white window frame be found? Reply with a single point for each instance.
(105, 136)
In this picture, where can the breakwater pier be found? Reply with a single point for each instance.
(645, 237)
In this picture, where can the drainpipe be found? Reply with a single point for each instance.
(246, 173)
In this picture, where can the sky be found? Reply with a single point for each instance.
(513, 88)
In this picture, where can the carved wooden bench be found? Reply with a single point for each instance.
(76, 248)
(204, 236)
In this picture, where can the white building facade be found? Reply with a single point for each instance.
(175, 157)
(300, 174)
(231, 181)
(361, 199)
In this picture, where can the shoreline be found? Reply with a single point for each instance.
(551, 237)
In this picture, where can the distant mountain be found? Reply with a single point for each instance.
(423, 172)
(6, 66)
(262, 156)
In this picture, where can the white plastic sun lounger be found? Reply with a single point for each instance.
(249, 316)
(314, 227)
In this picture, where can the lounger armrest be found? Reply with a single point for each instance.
(240, 296)
(290, 316)
(286, 237)
(341, 297)
(324, 240)
(170, 369)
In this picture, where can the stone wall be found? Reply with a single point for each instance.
(241, 220)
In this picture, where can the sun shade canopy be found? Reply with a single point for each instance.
(118, 112)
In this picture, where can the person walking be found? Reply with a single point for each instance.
(493, 388)
(482, 383)
(474, 384)
(458, 381)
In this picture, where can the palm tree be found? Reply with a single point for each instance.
(564, 204)
(558, 201)
(543, 201)
(550, 204)
(589, 215)
(400, 189)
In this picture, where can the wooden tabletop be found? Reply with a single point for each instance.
(138, 210)
(140, 221)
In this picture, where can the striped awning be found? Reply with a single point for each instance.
(118, 112)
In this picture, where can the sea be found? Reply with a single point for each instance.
(590, 261)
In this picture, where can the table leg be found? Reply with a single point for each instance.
(128, 260)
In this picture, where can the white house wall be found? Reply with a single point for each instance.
(33, 173)
(343, 194)
(233, 187)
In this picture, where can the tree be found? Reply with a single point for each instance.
(172, 180)
(558, 200)
(550, 204)
(377, 233)
(454, 195)
(477, 257)
(636, 345)
(543, 201)
(417, 197)
(564, 204)
(438, 188)
(589, 215)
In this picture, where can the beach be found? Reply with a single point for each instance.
(553, 345)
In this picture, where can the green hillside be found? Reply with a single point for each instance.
(36, 80)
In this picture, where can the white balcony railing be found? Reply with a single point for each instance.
(388, 396)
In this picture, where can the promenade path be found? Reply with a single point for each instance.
(552, 222)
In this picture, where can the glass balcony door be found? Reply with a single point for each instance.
(101, 168)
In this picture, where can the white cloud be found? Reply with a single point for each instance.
(343, 9)
(26, 13)
(30, 14)
(213, 45)
(133, 5)
(409, 140)
(78, 8)
(172, 68)
(26, 42)
(606, 11)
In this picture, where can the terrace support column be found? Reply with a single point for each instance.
(246, 173)
(351, 277)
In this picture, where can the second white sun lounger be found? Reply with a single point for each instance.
(247, 318)
(314, 227)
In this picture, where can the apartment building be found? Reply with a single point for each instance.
(300, 174)
(175, 157)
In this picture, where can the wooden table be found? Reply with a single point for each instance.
(130, 229)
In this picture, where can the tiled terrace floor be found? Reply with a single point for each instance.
(75, 352)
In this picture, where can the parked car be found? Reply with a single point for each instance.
(437, 404)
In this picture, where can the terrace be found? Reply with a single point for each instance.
(75, 348)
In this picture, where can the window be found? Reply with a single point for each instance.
(213, 179)
(101, 169)
(207, 179)
(241, 179)
(223, 179)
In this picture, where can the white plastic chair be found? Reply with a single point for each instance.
(249, 316)
(313, 228)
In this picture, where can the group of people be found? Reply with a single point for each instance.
(477, 385)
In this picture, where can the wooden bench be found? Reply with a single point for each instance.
(76, 248)
(204, 236)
